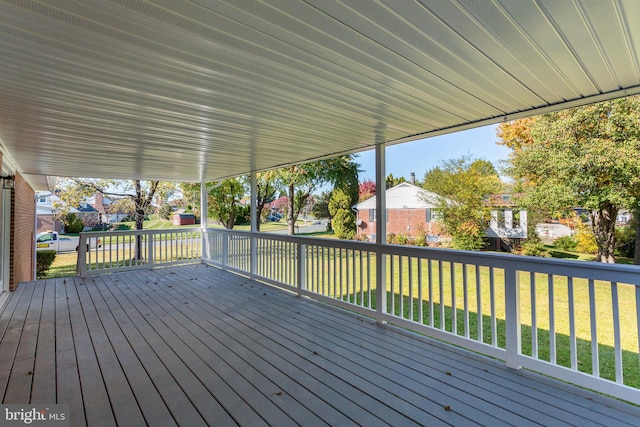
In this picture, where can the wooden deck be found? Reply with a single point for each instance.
(198, 346)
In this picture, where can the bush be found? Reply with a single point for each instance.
(566, 243)
(586, 240)
(534, 249)
(344, 224)
(420, 240)
(73, 224)
(402, 239)
(44, 259)
(243, 215)
(166, 211)
(626, 240)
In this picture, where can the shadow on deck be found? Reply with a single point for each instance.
(195, 345)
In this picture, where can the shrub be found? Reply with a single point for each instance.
(626, 240)
(391, 238)
(44, 259)
(586, 239)
(344, 224)
(361, 237)
(73, 224)
(343, 218)
(402, 239)
(566, 243)
(243, 215)
(534, 249)
(420, 240)
(166, 211)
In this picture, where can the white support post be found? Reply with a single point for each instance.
(253, 256)
(302, 268)
(204, 205)
(150, 243)
(513, 328)
(81, 266)
(381, 232)
(204, 209)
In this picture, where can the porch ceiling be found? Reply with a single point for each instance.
(204, 89)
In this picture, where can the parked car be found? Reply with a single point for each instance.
(51, 240)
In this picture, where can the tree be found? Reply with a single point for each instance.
(223, 199)
(366, 190)
(321, 207)
(301, 181)
(343, 218)
(136, 194)
(267, 186)
(588, 157)
(392, 181)
(462, 186)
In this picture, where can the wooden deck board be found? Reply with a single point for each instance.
(351, 383)
(219, 352)
(552, 404)
(153, 409)
(19, 385)
(195, 346)
(201, 378)
(44, 370)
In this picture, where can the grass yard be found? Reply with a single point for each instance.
(64, 265)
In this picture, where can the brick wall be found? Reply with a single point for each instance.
(47, 223)
(409, 222)
(22, 233)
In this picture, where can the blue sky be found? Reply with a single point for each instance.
(422, 155)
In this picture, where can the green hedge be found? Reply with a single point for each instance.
(44, 259)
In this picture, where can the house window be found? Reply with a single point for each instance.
(43, 200)
(501, 220)
(431, 215)
(372, 215)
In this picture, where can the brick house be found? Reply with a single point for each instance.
(46, 214)
(17, 219)
(411, 211)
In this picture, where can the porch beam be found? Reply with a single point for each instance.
(253, 256)
(204, 209)
(381, 232)
(204, 205)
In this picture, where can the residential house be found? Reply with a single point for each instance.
(411, 211)
(46, 213)
(107, 207)
(508, 224)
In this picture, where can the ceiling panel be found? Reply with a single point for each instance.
(206, 89)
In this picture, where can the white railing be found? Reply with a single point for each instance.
(126, 250)
(575, 321)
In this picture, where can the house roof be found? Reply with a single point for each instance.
(201, 90)
(403, 196)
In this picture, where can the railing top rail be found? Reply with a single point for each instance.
(581, 269)
(139, 232)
